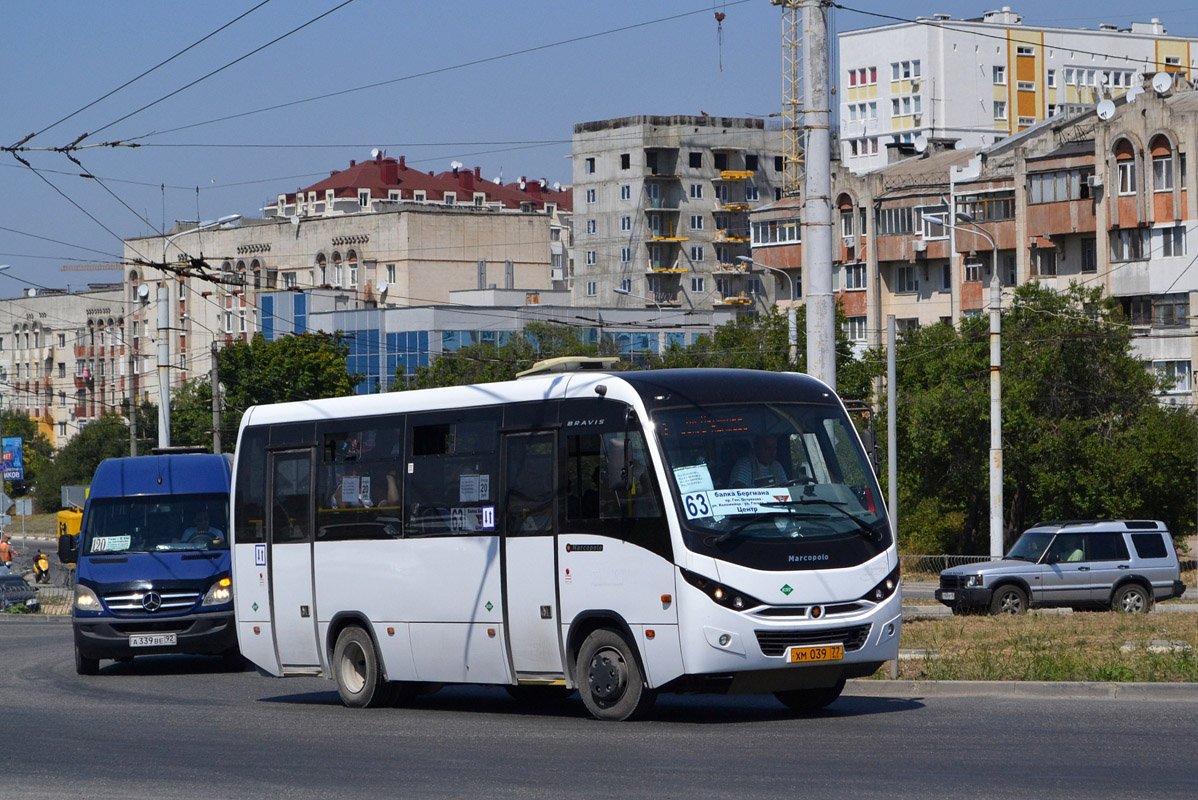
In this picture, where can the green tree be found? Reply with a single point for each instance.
(76, 462)
(1083, 434)
(762, 342)
(304, 366)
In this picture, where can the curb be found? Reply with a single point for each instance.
(1177, 692)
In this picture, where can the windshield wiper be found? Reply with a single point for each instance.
(836, 505)
(757, 517)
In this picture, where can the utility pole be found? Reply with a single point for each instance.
(164, 366)
(132, 399)
(215, 379)
(817, 191)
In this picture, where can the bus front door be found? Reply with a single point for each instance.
(291, 597)
(530, 573)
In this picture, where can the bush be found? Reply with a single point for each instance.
(929, 528)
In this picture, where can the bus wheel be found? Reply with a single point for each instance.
(357, 671)
(808, 700)
(609, 678)
(85, 665)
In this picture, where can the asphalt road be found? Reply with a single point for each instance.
(176, 727)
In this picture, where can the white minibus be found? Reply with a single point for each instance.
(616, 533)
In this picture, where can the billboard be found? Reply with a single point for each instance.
(14, 458)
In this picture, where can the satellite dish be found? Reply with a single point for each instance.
(143, 291)
(522, 184)
(557, 186)
(1134, 93)
(1106, 110)
(1162, 82)
(380, 286)
(455, 165)
(375, 153)
(920, 143)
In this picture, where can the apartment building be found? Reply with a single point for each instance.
(980, 80)
(63, 356)
(1099, 200)
(661, 209)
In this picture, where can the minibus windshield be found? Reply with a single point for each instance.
(150, 523)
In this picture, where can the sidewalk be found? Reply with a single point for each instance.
(1172, 692)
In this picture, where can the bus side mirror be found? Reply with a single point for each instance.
(68, 548)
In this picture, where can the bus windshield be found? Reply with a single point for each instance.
(778, 486)
(155, 524)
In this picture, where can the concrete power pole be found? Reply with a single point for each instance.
(215, 379)
(164, 366)
(817, 200)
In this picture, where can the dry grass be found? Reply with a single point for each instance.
(1050, 647)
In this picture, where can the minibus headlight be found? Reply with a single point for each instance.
(885, 588)
(220, 593)
(85, 599)
(724, 595)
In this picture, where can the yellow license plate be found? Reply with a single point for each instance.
(823, 652)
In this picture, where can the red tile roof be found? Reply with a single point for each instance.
(383, 175)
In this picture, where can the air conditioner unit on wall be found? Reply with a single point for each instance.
(920, 246)
(1093, 180)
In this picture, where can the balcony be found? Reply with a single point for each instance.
(736, 174)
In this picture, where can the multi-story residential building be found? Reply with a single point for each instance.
(1098, 199)
(980, 80)
(661, 209)
(64, 358)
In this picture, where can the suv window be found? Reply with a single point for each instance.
(1149, 545)
(1066, 547)
(1105, 547)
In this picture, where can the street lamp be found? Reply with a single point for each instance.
(792, 323)
(628, 293)
(3, 510)
(996, 526)
(164, 344)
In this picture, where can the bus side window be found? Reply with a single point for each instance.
(250, 499)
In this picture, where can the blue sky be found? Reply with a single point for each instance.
(221, 146)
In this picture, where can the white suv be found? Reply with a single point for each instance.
(1123, 565)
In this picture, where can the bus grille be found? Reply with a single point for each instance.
(775, 643)
(131, 602)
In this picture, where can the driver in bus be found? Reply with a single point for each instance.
(202, 530)
(761, 467)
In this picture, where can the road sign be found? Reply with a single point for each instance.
(24, 506)
(5, 503)
(5, 519)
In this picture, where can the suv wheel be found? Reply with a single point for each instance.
(1132, 598)
(1008, 600)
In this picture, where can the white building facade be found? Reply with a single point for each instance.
(981, 80)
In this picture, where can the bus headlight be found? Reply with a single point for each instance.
(885, 588)
(220, 593)
(85, 599)
(724, 595)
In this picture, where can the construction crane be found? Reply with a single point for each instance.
(792, 96)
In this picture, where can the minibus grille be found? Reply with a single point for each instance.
(775, 643)
(135, 602)
(804, 611)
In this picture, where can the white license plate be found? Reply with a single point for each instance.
(154, 640)
(948, 595)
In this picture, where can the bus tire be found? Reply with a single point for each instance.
(358, 671)
(609, 678)
(807, 700)
(85, 665)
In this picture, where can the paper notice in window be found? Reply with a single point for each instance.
(110, 544)
(350, 487)
(468, 486)
(693, 479)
